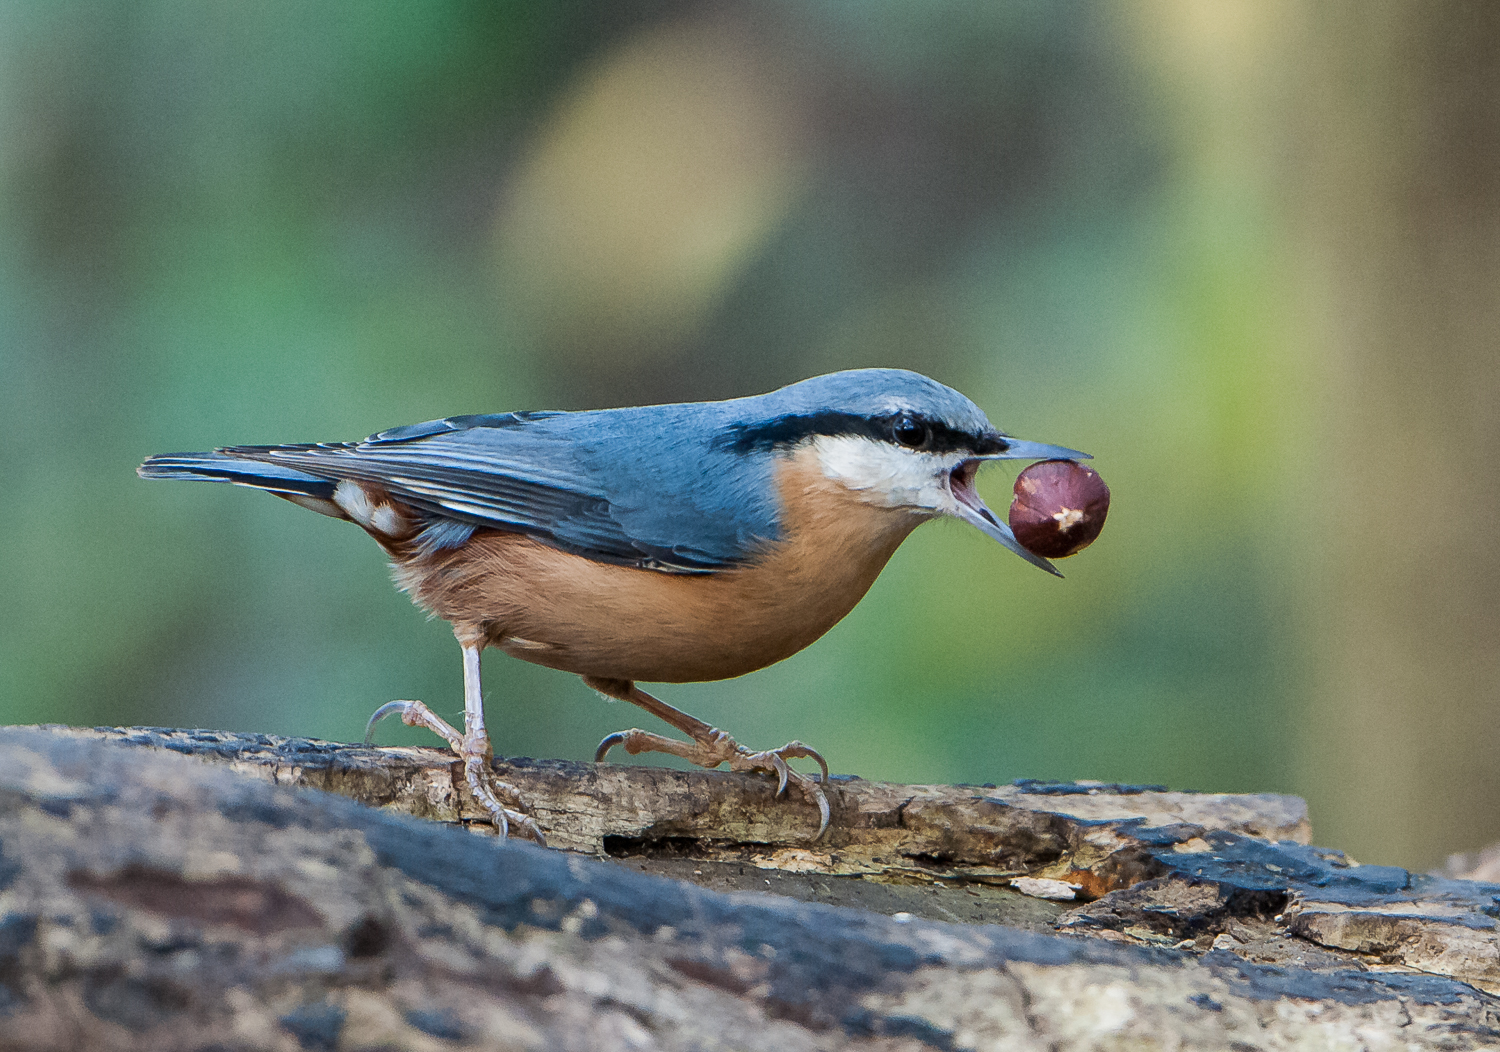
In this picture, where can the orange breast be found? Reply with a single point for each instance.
(570, 613)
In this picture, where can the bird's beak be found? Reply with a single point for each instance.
(1018, 450)
(973, 510)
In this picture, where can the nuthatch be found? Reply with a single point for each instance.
(668, 543)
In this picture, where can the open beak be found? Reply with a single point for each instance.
(973, 510)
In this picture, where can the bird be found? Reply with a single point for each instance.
(671, 543)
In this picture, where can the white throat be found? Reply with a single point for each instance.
(887, 475)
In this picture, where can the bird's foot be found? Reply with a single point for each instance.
(415, 714)
(718, 747)
(475, 752)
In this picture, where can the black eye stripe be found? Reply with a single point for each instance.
(789, 430)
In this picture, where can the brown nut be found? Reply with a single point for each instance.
(1059, 508)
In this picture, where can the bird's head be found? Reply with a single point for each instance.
(898, 440)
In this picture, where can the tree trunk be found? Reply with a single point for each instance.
(153, 902)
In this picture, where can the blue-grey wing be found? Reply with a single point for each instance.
(673, 487)
(582, 482)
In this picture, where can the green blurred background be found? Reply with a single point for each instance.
(1247, 252)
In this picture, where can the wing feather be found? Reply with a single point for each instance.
(510, 474)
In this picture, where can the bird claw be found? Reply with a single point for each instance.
(717, 748)
(794, 750)
(609, 742)
(476, 755)
(782, 772)
(416, 714)
(484, 785)
(776, 760)
(380, 714)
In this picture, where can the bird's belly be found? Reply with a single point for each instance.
(642, 625)
(567, 612)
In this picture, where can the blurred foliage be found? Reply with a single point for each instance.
(280, 222)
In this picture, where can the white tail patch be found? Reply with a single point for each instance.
(387, 520)
(356, 503)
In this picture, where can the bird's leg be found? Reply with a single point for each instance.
(472, 746)
(709, 746)
(476, 753)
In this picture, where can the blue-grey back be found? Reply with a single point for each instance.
(688, 486)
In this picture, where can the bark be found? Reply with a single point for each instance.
(150, 901)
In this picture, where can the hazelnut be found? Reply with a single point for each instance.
(1058, 508)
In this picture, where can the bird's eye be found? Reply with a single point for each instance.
(913, 434)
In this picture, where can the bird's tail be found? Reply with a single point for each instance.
(221, 467)
(415, 532)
